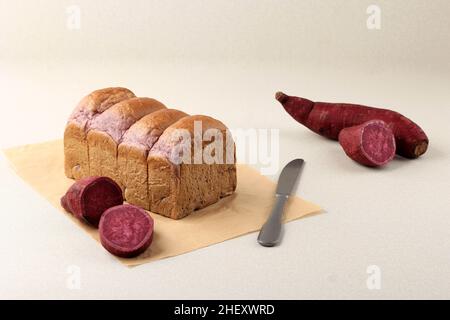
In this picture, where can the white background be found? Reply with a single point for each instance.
(227, 59)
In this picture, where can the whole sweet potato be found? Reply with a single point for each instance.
(328, 119)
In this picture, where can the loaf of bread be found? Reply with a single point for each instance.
(151, 152)
(133, 152)
(76, 160)
(107, 130)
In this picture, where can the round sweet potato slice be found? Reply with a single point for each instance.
(371, 143)
(88, 198)
(126, 230)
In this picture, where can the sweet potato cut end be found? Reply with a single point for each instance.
(100, 195)
(378, 143)
(420, 149)
(371, 143)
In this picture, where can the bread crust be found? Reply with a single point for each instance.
(76, 156)
(176, 190)
(107, 131)
(133, 151)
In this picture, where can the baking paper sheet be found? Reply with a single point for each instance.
(42, 166)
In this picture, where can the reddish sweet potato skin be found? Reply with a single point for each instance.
(328, 119)
(126, 230)
(77, 197)
(354, 139)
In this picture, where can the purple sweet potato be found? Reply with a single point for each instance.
(371, 143)
(328, 119)
(88, 198)
(126, 230)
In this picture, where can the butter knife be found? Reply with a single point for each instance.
(269, 235)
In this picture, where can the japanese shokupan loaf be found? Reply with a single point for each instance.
(76, 161)
(132, 142)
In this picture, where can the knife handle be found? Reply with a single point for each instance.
(270, 232)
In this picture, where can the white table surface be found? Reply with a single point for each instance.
(397, 218)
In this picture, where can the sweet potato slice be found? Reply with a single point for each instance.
(126, 230)
(88, 198)
(371, 143)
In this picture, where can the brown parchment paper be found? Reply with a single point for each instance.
(42, 166)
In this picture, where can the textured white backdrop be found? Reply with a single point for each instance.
(227, 59)
(413, 33)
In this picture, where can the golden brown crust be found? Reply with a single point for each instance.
(107, 131)
(175, 190)
(76, 158)
(76, 163)
(147, 130)
(100, 100)
(171, 139)
(133, 151)
(119, 118)
(188, 123)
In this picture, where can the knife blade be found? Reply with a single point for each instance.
(270, 232)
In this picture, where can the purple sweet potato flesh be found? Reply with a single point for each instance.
(328, 119)
(371, 143)
(88, 198)
(126, 230)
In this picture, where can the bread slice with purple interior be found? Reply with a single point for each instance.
(191, 166)
(133, 152)
(76, 157)
(108, 129)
